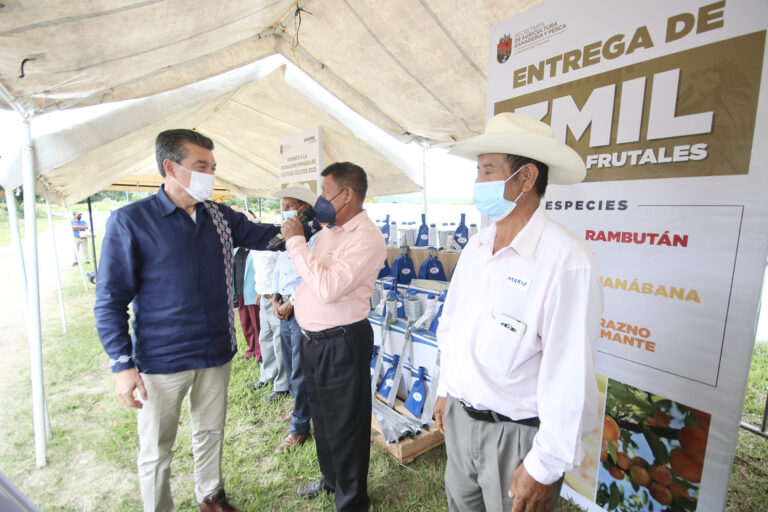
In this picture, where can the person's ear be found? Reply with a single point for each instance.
(169, 168)
(530, 174)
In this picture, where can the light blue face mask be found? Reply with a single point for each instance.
(489, 198)
(287, 214)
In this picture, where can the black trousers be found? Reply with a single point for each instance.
(338, 380)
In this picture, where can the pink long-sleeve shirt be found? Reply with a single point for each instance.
(338, 276)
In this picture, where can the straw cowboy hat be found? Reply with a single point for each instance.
(301, 192)
(515, 134)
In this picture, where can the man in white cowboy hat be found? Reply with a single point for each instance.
(295, 199)
(518, 331)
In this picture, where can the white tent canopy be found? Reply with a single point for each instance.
(244, 113)
(416, 68)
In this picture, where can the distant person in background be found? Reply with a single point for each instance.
(272, 368)
(171, 256)
(79, 228)
(245, 296)
(295, 199)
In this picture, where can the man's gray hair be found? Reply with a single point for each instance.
(169, 144)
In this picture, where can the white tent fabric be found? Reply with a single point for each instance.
(245, 115)
(415, 68)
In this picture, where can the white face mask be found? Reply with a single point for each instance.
(287, 214)
(200, 184)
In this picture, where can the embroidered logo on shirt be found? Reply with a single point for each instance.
(518, 282)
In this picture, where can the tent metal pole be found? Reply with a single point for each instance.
(58, 268)
(93, 238)
(245, 200)
(41, 419)
(423, 179)
(13, 218)
(33, 297)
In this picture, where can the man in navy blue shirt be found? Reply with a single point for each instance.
(171, 256)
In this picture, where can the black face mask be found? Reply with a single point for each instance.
(324, 210)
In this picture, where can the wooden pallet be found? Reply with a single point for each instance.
(409, 448)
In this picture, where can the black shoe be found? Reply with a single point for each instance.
(274, 396)
(313, 490)
(259, 385)
(74, 264)
(87, 262)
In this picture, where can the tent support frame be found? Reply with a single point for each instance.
(33, 298)
(57, 264)
(34, 334)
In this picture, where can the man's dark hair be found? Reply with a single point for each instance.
(347, 174)
(169, 144)
(515, 162)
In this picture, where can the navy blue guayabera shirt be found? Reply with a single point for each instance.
(172, 268)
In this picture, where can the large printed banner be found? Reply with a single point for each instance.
(661, 99)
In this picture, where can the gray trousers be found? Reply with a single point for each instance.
(482, 456)
(272, 369)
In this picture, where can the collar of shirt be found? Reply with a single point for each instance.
(166, 205)
(353, 223)
(525, 242)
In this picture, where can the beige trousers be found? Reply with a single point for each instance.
(158, 422)
(81, 244)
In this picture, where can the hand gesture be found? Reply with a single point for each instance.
(439, 412)
(292, 227)
(126, 382)
(529, 495)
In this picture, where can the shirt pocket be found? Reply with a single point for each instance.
(498, 348)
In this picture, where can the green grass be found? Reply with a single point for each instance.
(92, 453)
(42, 224)
(748, 489)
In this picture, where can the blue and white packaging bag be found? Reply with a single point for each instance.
(402, 267)
(432, 269)
(422, 237)
(415, 401)
(461, 235)
(389, 377)
(385, 231)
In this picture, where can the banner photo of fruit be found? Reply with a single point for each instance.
(653, 452)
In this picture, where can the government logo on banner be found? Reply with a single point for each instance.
(504, 49)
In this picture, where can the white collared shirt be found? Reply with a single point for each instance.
(548, 280)
(264, 267)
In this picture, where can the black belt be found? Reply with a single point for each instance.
(494, 417)
(332, 332)
(325, 333)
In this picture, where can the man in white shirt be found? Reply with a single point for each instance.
(518, 331)
(272, 369)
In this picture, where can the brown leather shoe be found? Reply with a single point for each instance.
(292, 441)
(285, 417)
(217, 503)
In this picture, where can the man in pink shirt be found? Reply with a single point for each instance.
(331, 306)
